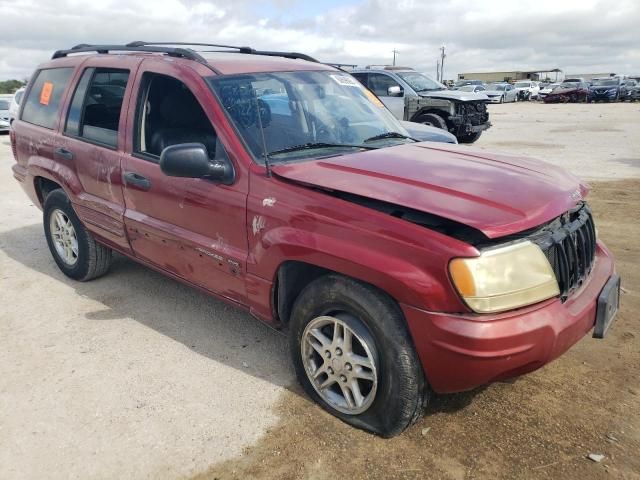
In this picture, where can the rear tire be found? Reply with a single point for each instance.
(73, 248)
(432, 119)
(377, 323)
(469, 138)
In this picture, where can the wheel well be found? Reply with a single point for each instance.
(44, 187)
(291, 279)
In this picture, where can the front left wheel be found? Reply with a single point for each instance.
(73, 248)
(353, 355)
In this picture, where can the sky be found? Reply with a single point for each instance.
(578, 36)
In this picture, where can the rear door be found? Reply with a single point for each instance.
(192, 228)
(93, 142)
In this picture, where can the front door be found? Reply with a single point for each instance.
(379, 84)
(192, 228)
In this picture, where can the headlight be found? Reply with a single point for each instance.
(504, 278)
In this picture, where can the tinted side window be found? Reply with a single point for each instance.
(380, 83)
(361, 77)
(97, 102)
(43, 102)
(169, 114)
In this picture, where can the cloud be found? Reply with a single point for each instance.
(584, 35)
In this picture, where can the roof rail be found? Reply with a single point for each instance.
(386, 67)
(132, 47)
(173, 51)
(147, 44)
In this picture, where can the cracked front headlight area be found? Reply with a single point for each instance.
(504, 278)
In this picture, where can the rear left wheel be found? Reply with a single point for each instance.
(353, 355)
(73, 248)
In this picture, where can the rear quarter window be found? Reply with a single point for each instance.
(42, 105)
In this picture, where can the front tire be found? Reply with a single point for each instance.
(469, 138)
(73, 248)
(353, 355)
(433, 119)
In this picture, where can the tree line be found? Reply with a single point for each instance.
(10, 86)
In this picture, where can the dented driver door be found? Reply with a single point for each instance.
(192, 228)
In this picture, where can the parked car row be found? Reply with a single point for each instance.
(608, 89)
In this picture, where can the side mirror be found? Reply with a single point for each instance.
(394, 91)
(192, 161)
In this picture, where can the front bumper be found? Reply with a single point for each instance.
(609, 95)
(462, 351)
(495, 99)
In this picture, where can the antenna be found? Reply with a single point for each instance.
(265, 152)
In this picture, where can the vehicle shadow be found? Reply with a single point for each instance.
(202, 323)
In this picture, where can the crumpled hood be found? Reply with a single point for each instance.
(496, 194)
(455, 95)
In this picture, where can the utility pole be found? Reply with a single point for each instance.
(394, 56)
(437, 69)
(442, 56)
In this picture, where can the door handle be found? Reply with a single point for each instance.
(63, 153)
(136, 180)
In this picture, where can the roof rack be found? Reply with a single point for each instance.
(132, 47)
(387, 67)
(173, 51)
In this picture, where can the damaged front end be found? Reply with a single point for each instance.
(470, 117)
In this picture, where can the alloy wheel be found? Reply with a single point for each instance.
(64, 237)
(339, 362)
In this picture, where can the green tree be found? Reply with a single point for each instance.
(10, 86)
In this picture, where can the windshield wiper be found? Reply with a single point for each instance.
(311, 146)
(390, 135)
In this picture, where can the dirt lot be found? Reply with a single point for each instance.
(136, 376)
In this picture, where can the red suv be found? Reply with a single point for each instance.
(281, 185)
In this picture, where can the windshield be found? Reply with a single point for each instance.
(306, 114)
(420, 82)
(4, 105)
(468, 88)
(496, 86)
(605, 83)
(523, 85)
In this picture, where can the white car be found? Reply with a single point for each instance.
(548, 89)
(5, 103)
(15, 104)
(501, 93)
(529, 89)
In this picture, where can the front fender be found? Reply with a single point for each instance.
(403, 280)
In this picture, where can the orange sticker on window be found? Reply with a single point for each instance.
(373, 98)
(45, 93)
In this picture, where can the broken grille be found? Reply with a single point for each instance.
(571, 249)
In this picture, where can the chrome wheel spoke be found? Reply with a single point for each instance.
(358, 398)
(327, 383)
(361, 361)
(319, 341)
(348, 396)
(63, 236)
(364, 374)
(345, 380)
(347, 341)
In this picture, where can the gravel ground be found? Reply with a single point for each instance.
(136, 376)
(596, 141)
